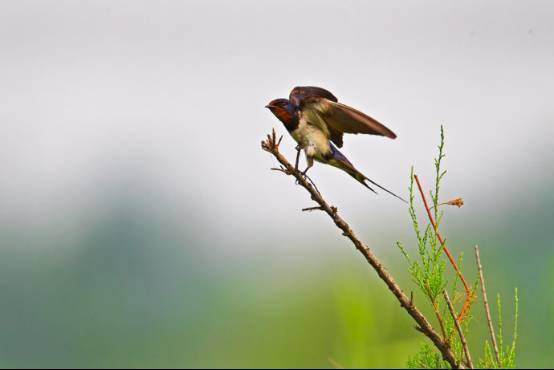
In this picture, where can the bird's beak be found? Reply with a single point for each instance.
(268, 106)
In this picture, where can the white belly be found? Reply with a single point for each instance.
(313, 140)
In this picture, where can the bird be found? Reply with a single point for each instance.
(317, 121)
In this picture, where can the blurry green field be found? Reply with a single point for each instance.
(132, 296)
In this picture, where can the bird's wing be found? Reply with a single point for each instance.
(301, 93)
(345, 119)
(302, 96)
(322, 109)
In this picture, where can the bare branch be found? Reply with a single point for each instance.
(458, 328)
(486, 303)
(272, 146)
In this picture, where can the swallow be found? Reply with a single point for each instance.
(317, 122)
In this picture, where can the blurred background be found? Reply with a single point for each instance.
(140, 225)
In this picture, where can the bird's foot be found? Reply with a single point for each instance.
(303, 174)
(298, 149)
(309, 179)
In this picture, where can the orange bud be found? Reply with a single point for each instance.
(458, 202)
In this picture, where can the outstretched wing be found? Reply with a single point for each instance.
(346, 119)
(322, 108)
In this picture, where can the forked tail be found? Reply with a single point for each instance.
(340, 161)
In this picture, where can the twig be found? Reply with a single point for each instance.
(458, 328)
(272, 146)
(469, 293)
(309, 209)
(486, 303)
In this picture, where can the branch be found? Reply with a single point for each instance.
(486, 303)
(458, 328)
(271, 145)
(469, 293)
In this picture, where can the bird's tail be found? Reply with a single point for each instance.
(340, 161)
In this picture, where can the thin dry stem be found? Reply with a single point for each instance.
(271, 145)
(458, 328)
(335, 364)
(440, 320)
(486, 303)
(438, 315)
(469, 293)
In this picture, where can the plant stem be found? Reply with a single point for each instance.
(486, 303)
(458, 328)
(469, 294)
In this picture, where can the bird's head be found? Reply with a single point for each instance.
(284, 111)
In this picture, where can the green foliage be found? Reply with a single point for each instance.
(427, 358)
(507, 355)
(428, 273)
(439, 174)
(428, 270)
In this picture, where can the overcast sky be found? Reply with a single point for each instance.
(166, 98)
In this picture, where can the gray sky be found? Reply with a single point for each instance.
(166, 98)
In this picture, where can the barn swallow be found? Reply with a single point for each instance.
(317, 121)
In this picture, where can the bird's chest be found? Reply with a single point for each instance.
(312, 139)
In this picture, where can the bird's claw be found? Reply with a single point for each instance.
(308, 179)
(271, 144)
(302, 174)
